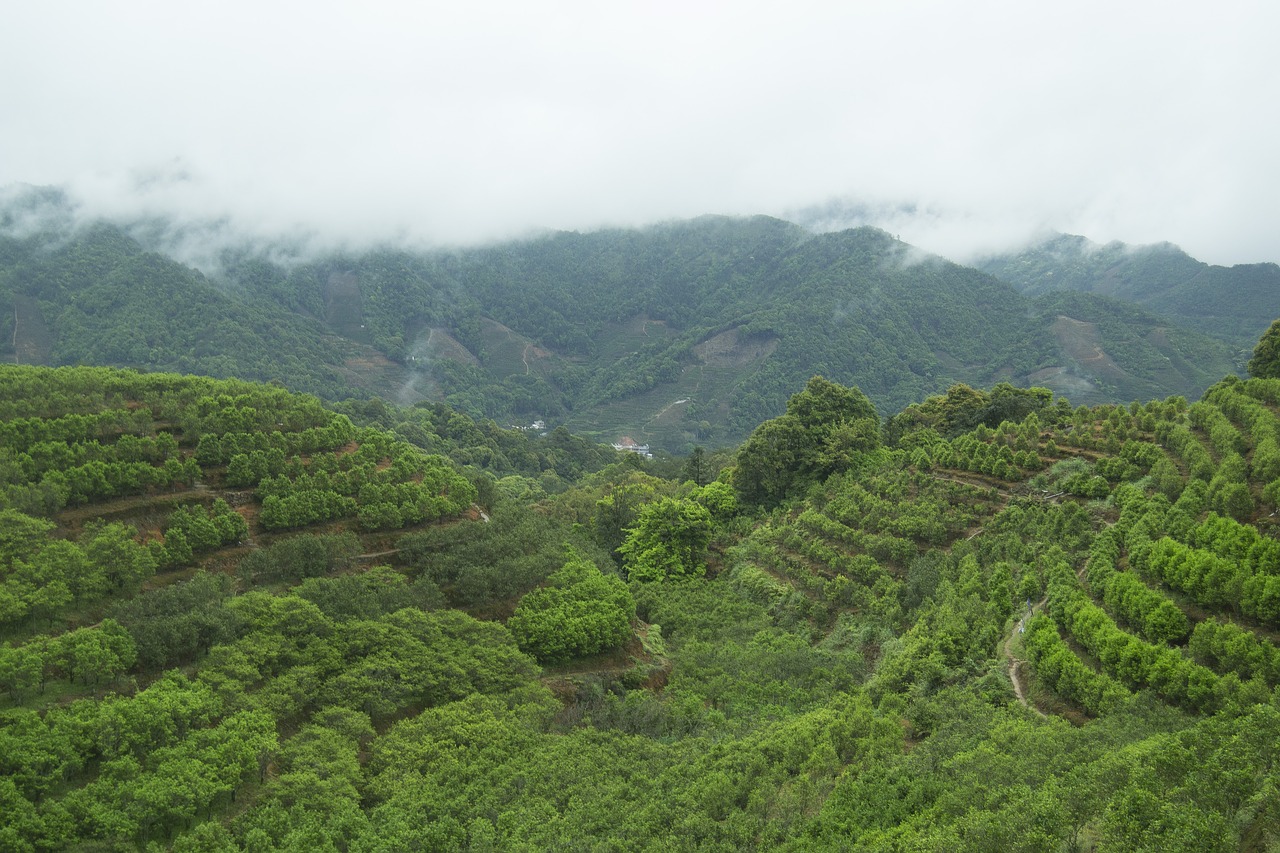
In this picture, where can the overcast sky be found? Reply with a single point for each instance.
(459, 122)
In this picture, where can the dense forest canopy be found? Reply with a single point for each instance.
(1232, 303)
(236, 618)
(680, 335)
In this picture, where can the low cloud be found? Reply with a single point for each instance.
(965, 129)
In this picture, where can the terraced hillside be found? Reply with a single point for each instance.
(233, 620)
(1084, 563)
(184, 565)
(1180, 592)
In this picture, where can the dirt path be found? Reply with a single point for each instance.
(32, 339)
(668, 407)
(1015, 664)
(377, 554)
(977, 481)
(687, 399)
(160, 501)
(524, 353)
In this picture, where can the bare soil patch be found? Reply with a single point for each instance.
(732, 349)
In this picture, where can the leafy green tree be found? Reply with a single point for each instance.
(823, 403)
(826, 428)
(770, 462)
(48, 592)
(90, 654)
(1009, 403)
(669, 541)
(126, 563)
(20, 535)
(21, 668)
(581, 612)
(174, 623)
(13, 602)
(177, 550)
(616, 513)
(719, 499)
(695, 467)
(1165, 478)
(300, 557)
(1265, 363)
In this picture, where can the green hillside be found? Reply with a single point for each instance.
(675, 335)
(696, 331)
(1108, 349)
(234, 619)
(1233, 303)
(96, 297)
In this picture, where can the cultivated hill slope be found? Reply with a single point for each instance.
(1108, 349)
(236, 620)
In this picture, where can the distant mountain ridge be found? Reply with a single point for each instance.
(1234, 303)
(682, 333)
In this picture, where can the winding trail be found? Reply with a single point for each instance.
(524, 353)
(1015, 664)
(376, 554)
(668, 407)
(686, 399)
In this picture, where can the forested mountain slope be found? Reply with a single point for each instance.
(1110, 349)
(233, 619)
(96, 297)
(690, 332)
(1234, 303)
(696, 330)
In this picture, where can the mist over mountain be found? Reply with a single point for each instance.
(1233, 303)
(958, 533)
(687, 332)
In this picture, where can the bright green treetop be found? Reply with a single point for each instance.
(582, 612)
(669, 541)
(825, 429)
(1265, 363)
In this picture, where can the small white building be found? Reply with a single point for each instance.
(629, 444)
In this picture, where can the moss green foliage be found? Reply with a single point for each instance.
(962, 408)
(828, 673)
(300, 557)
(669, 541)
(174, 624)
(719, 499)
(478, 564)
(580, 612)
(1265, 363)
(827, 428)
